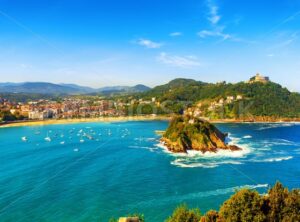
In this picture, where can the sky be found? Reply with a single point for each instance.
(128, 42)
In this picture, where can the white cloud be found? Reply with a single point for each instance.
(174, 34)
(214, 33)
(214, 17)
(149, 44)
(178, 61)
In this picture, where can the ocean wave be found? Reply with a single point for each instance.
(274, 159)
(181, 164)
(143, 147)
(247, 137)
(189, 163)
(277, 142)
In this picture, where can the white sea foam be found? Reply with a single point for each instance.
(144, 147)
(180, 163)
(247, 137)
(278, 142)
(275, 125)
(274, 159)
(189, 163)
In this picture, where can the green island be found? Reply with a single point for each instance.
(246, 205)
(191, 133)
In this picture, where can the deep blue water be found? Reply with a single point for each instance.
(122, 170)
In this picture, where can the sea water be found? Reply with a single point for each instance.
(96, 171)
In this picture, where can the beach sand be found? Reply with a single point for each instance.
(130, 118)
(84, 120)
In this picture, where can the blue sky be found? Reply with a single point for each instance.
(126, 42)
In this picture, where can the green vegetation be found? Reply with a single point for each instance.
(248, 206)
(8, 116)
(25, 97)
(183, 214)
(279, 205)
(185, 132)
(259, 99)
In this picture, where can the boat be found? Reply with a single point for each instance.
(24, 138)
(62, 143)
(47, 138)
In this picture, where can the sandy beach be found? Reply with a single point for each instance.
(128, 118)
(84, 120)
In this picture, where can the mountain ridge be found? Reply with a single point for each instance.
(66, 88)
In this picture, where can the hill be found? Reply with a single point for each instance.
(256, 99)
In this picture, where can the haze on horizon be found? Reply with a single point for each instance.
(113, 42)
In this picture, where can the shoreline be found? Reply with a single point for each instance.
(127, 118)
(83, 120)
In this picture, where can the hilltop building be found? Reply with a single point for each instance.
(259, 78)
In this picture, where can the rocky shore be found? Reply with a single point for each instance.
(185, 133)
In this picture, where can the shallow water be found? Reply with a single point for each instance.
(94, 171)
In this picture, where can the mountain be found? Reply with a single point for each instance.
(79, 89)
(38, 87)
(124, 89)
(66, 89)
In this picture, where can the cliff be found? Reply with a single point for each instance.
(185, 133)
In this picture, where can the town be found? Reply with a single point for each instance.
(87, 106)
(68, 108)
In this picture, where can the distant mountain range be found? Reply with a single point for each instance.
(68, 89)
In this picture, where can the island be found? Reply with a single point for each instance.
(190, 133)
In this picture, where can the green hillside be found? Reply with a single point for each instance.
(258, 99)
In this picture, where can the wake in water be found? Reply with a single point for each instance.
(275, 125)
(197, 195)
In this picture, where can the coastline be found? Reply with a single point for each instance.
(83, 120)
(130, 118)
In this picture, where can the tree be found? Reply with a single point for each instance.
(291, 210)
(243, 206)
(211, 216)
(276, 202)
(183, 214)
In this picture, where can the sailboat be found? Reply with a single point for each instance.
(47, 138)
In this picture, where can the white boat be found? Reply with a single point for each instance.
(76, 150)
(82, 141)
(47, 138)
(24, 138)
(62, 143)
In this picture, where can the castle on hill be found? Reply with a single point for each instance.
(259, 78)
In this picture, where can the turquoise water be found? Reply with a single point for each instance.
(117, 168)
